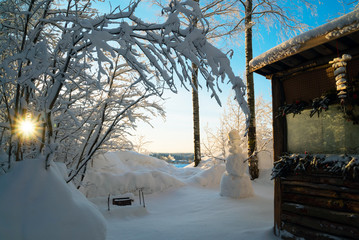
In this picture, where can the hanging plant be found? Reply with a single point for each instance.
(320, 104)
(295, 108)
(296, 164)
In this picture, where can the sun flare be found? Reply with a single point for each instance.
(26, 128)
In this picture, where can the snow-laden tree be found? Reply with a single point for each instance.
(77, 75)
(270, 13)
(105, 121)
(216, 142)
(140, 145)
(230, 18)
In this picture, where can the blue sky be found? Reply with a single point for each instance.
(175, 133)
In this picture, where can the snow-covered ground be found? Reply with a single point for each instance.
(186, 206)
(196, 213)
(180, 203)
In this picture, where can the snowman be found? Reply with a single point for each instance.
(235, 181)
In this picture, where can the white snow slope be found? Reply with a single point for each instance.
(182, 204)
(37, 204)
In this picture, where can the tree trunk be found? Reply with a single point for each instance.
(195, 103)
(253, 161)
(196, 126)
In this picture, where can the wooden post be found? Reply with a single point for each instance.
(280, 146)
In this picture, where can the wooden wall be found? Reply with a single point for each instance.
(306, 86)
(310, 84)
(319, 206)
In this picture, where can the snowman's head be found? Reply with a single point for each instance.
(233, 135)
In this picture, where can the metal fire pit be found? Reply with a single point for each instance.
(122, 201)
(125, 201)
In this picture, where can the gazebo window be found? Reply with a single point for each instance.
(327, 133)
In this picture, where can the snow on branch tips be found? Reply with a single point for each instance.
(194, 47)
(79, 75)
(168, 49)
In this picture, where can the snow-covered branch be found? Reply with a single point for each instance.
(81, 76)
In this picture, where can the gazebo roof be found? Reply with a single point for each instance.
(312, 48)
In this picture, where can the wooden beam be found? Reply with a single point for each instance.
(324, 202)
(291, 61)
(350, 219)
(354, 37)
(331, 187)
(348, 41)
(277, 206)
(321, 226)
(318, 63)
(338, 45)
(306, 233)
(321, 177)
(310, 54)
(324, 49)
(278, 66)
(279, 145)
(279, 124)
(325, 191)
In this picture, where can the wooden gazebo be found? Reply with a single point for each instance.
(315, 90)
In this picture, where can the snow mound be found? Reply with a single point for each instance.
(205, 163)
(209, 177)
(126, 161)
(117, 173)
(37, 204)
(122, 172)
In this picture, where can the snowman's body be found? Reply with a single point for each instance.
(235, 181)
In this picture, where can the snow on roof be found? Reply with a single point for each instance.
(329, 31)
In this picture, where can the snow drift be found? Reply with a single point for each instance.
(117, 173)
(191, 211)
(122, 172)
(37, 204)
(210, 177)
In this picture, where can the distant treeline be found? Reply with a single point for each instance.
(174, 156)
